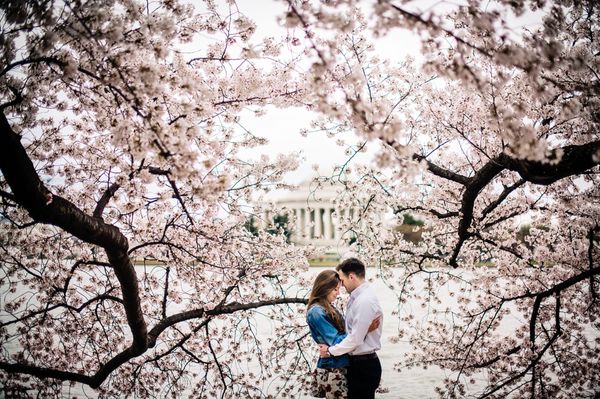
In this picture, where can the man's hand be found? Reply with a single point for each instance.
(323, 350)
(375, 323)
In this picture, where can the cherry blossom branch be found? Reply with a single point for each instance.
(165, 293)
(255, 98)
(104, 371)
(536, 360)
(176, 194)
(108, 194)
(434, 212)
(49, 308)
(473, 188)
(231, 307)
(505, 193)
(43, 206)
(539, 297)
(439, 171)
(574, 160)
(27, 61)
(180, 344)
(555, 291)
(65, 287)
(216, 360)
(430, 24)
(493, 360)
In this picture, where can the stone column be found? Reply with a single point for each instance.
(297, 224)
(307, 228)
(318, 223)
(338, 218)
(327, 225)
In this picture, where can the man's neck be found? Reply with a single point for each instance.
(358, 284)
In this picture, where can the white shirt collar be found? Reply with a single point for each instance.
(358, 290)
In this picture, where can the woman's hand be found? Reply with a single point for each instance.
(375, 323)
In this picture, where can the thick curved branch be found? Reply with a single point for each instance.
(439, 171)
(474, 186)
(434, 212)
(556, 290)
(27, 61)
(575, 159)
(131, 352)
(44, 372)
(505, 193)
(108, 194)
(63, 305)
(219, 310)
(44, 207)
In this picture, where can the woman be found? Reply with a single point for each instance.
(327, 326)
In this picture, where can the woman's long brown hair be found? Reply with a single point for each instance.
(325, 282)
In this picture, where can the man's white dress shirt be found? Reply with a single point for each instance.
(363, 307)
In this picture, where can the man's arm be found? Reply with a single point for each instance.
(366, 312)
(319, 322)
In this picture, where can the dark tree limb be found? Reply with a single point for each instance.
(562, 162)
(439, 171)
(229, 308)
(575, 159)
(49, 308)
(108, 194)
(28, 61)
(165, 293)
(505, 193)
(95, 380)
(434, 212)
(591, 236)
(474, 186)
(44, 207)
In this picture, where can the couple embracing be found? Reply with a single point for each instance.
(348, 366)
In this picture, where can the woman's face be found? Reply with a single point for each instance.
(334, 293)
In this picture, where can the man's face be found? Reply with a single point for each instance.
(348, 281)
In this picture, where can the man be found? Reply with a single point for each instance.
(364, 371)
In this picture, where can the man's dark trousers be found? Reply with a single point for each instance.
(364, 374)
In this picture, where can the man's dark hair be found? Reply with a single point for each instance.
(352, 265)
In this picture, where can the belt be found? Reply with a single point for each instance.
(364, 356)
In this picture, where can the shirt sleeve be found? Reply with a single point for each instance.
(321, 326)
(366, 312)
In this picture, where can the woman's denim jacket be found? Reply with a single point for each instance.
(324, 332)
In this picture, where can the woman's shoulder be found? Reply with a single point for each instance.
(315, 310)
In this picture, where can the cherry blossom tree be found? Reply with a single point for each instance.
(495, 125)
(119, 146)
